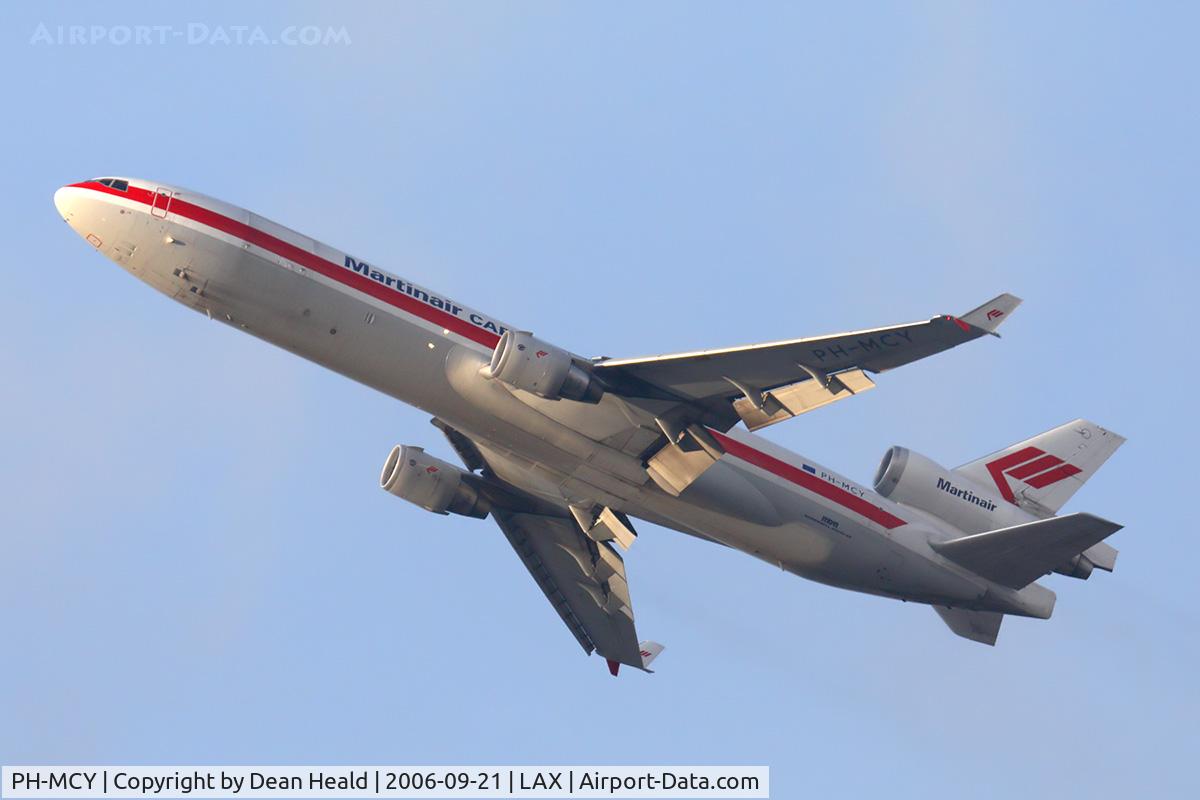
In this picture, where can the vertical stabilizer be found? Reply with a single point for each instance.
(1040, 474)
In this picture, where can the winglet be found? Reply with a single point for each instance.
(989, 315)
(649, 651)
(978, 626)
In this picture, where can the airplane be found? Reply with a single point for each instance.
(564, 451)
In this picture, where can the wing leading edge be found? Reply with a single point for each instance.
(711, 379)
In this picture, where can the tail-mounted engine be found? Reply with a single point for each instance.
(918, 482)
(527, 363)
(913, 480)
(435, 485)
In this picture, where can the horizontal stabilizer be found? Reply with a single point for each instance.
(978, 626)
(1019, 555)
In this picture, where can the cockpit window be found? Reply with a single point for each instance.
(119, 185)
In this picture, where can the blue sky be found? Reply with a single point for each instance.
(197, 566)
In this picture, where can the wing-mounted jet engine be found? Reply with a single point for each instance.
(525, 362)
(435, 485)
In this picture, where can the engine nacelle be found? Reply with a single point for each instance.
(435, 485)
(1078, 567)
(918, 482)
(525, 362)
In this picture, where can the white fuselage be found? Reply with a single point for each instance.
(427, 350)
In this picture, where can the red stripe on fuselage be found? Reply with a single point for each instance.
(810, 482)
(298, 255)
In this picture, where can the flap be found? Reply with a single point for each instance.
(786, 402)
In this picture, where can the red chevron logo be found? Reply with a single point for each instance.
(1031, 466)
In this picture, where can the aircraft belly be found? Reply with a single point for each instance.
(815, 539)
(793, 543)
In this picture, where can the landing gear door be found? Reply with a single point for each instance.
(161, 204)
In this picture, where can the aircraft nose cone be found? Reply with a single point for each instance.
(62, 201)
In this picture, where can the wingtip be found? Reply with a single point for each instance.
(991, 314)
(649, 651)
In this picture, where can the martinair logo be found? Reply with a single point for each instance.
(1033, 467)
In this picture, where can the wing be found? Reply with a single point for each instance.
(583, 580)
(775, 381)
(581, 574)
